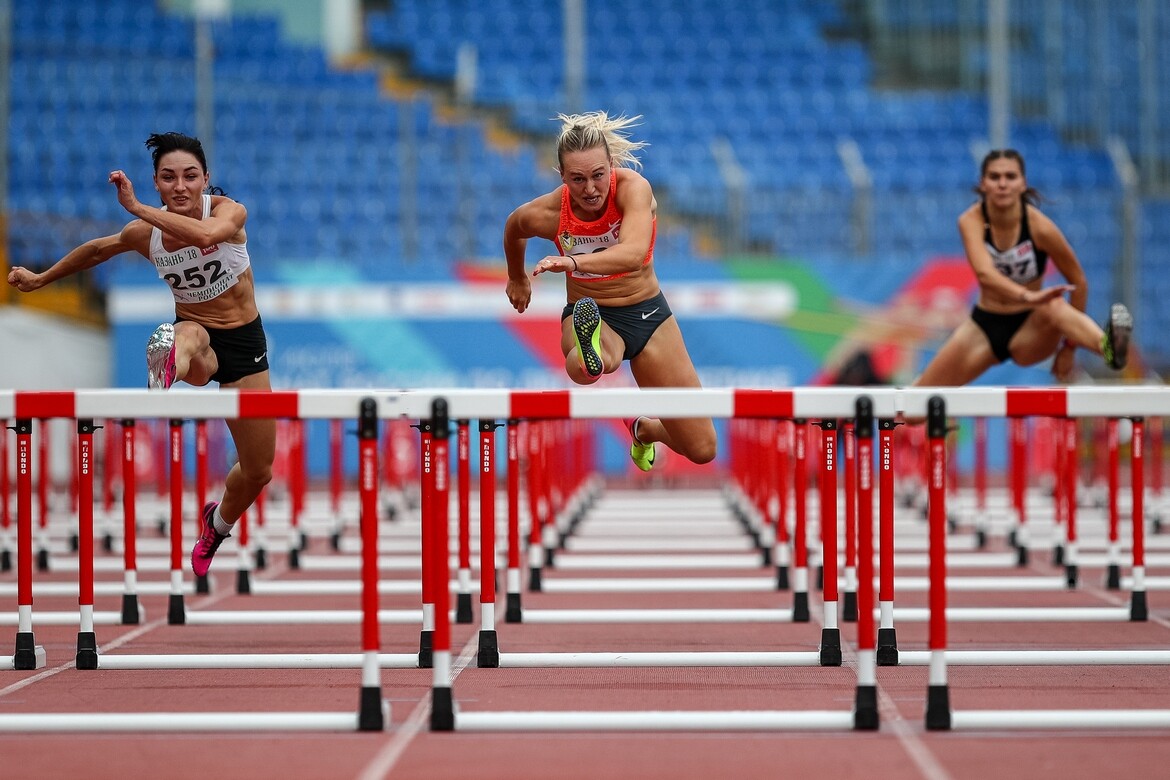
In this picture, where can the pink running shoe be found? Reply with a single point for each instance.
(160, 357)
(208, 541)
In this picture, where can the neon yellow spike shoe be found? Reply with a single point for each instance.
(641, 454)
(587, 331)
(1115, 342)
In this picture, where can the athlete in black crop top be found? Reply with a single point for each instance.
(1016, 317)
(1022, 261)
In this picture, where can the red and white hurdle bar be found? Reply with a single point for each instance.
(543, 405)
(445, 715)
(939, 715)
(84, 406)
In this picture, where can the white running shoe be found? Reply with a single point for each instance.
(160, 357)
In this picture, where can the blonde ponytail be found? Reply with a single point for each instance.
(595, 128)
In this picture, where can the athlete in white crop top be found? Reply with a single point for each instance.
(1016, 317)
(198, 243)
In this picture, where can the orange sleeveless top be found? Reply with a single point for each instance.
(578, 237)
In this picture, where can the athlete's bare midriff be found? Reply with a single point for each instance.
(234, 308)
(627, 290)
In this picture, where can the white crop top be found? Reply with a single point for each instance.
(197, 275)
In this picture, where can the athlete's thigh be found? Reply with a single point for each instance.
(1035, 341)
(964, 356)
(664, 361)
(254, 438)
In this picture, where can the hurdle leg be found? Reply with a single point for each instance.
(938, 709)
(372, 714)
(887, 635)
(427, 504)
(865, 706)
(1139, 609)
(513, 612)
(800, 613)
(44, 475)
(28, 655)
(783, 552)
(830, 632)
(130, 608)
(849, 604)
(1113, 565)
(489, 648)
(86, 657)
(442, 698)
(463, 611)
(202, 584)
(176, 611)
(1070, 501)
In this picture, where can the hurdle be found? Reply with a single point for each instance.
(1065, 402)
(446, 716)
(372, 712)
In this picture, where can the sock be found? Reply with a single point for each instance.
(634, 431)
(219, 524)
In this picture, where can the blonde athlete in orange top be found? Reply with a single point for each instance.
(602, 220)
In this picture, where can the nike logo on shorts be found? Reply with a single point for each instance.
(258, 359)
(648, 314)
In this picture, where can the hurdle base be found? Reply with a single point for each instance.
(108, 542)
(463, 613)
(534, 583)
(830, 647)
(426, 649)
(294, 557)
(512, 611)
(765, 556)
(550, 557)
(335, 541)
(243, 581)
(489, 650)
(129, 609)
(865, 708)
(1021, 555)
(980, 539)
(1157, 525)
(87, 653)
(782, 578)
(202, 585)
(1138, 609)
(938, 708)
(176, 613)
(1070, 576)
(261, 559)
(1058, 555)
(820, 578)
(28, 655)
(42, 560)
(74, 542)
(5, 560)
(849, 607)
(442, 709)
(1113, 577)
(370, 710)
(800, 613)
(887, 647)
